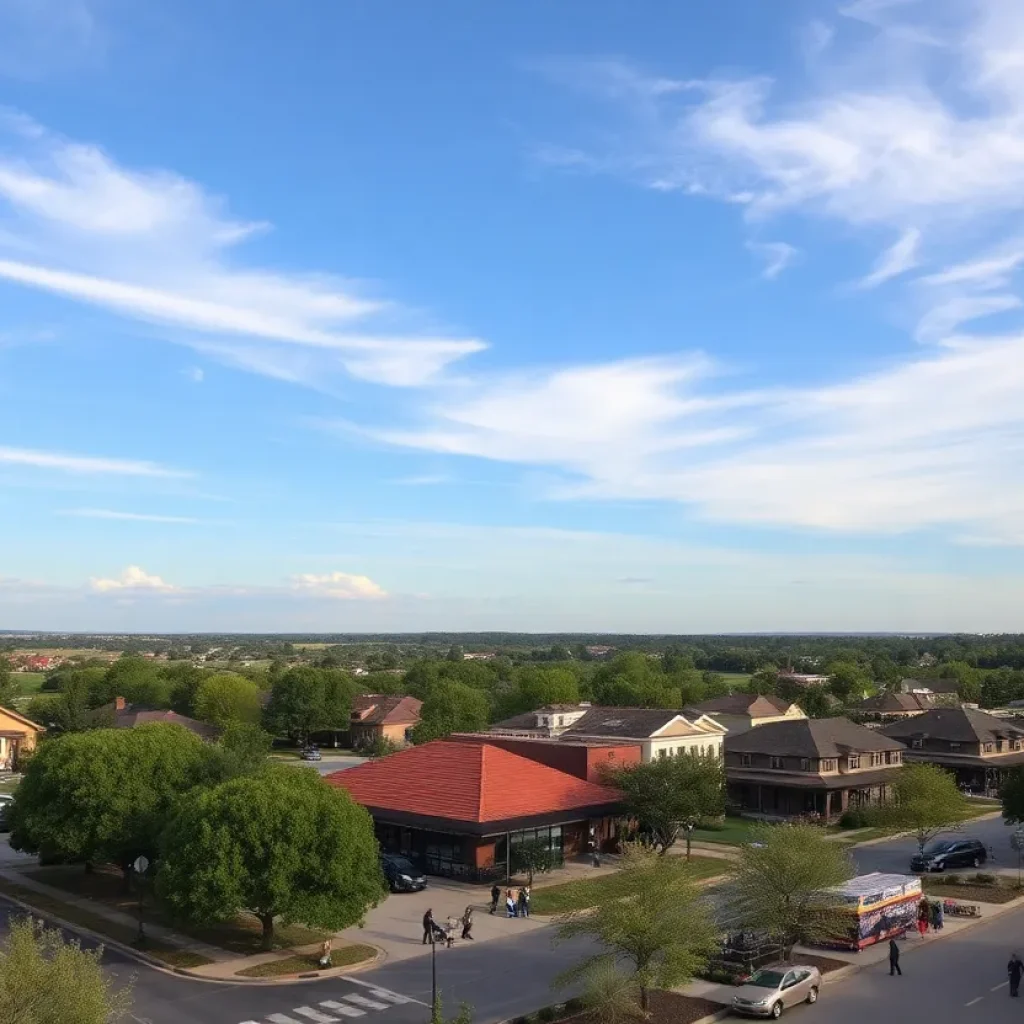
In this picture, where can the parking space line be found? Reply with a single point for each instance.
(973, 1001)
(996, 988)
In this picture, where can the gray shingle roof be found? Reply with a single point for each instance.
(956, 725)
(810, 737)
(744, 704)
(633, 723)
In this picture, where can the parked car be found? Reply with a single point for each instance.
(950, 853)
(773, 990)
(6, 800)
(311, 754)
(401, 874)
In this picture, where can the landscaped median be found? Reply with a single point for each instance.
(589, 892)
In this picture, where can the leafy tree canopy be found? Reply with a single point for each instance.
(925, 801)
(305, 700)
(227, 697)
(451, 707)
(279, 843)
(45, 979)
(780, 880)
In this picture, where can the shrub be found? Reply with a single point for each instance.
(983, 878)
(546, 1014)
(854, 818)
(950, 880)
(574, 1005)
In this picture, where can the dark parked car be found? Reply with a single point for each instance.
(5, 806)
(401, 874)
(950, 853)
(311, 754)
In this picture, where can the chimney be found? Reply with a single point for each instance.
(119, 703)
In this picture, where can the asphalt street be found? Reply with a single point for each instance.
(960, 978)
(895, 856)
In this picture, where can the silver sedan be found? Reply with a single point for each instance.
(771, 991)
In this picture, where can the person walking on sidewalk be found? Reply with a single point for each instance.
(428, 927)
(922, 917)
(524, 901)
(467, 923)
(449, 932)
(937, 916)
(1014, 971)
(894, 959)
(495, 896)
(510, 903)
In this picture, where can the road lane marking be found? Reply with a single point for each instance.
(996, 988)
(363, 1001)
(973, 1001)
(377, 990)
(394, 997)
(315, 1015)
(282, 1018)
(342, 1008)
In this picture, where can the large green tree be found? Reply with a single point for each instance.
(280, 843)
(670, 794)
(781, 882)
(227, 697)
(45, 979)
(533, 687)
(105, 796)
(633, 679)
(654, 920)
(9, 688)
(451, 707)
(925, 800)
(306, 700)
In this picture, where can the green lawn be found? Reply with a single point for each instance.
(242, 935)
(732, 832)
(342, 956)
(588, 892)
(9, 785)
(736, 680)
(28, 682)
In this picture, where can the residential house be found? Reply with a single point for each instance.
(550, 720)
(378, 717)
(459, 807)
(802, 679)
(18, 736)
(891, 707)
(941, 691)
(659, 733)
(976, 747)
(811, 766)
(120, 714)
(741, 711)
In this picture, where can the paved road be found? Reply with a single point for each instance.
(895, 856)
(958, 979)
(499, 979)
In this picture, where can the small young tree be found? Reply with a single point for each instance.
(47, 980)
(612, 996)
(925, 801)
(671, 794)
(278, 843)
(534, 857)
(1012, 796)
(781, 884)
(655, 920)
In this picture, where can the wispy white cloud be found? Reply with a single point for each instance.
(85, 464)
(153, 246)
(133, 578)
(896, 260)
(196, 374)
(341, 585)
(423, 480)
(777, 256)
(140, 517)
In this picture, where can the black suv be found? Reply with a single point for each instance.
(401, 874)
(951, 853)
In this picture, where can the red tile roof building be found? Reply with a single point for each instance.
(459, 806)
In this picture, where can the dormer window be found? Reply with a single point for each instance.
(853, 761)
(916, 744)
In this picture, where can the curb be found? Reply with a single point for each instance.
(903, 835)
(188, 973)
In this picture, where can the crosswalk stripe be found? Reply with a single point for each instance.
(342, 1008)
(315, 1015)
(391, 997)
(363, 1001)
(353, 980)
(282, 1018)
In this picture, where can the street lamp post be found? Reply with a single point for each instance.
(433, 976)
(140, 867)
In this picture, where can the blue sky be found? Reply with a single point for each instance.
(511, 316)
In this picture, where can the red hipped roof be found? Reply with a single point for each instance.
(467, 782)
